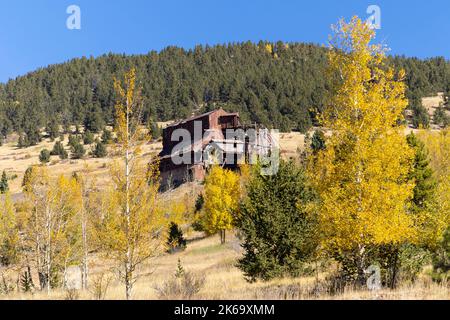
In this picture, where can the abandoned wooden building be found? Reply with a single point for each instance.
(192, 145)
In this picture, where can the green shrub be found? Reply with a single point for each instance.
(44, 156)
(441, 259)
(78, 151)
(88, 138)
(100, 150)
(73, 141)
(106, 136)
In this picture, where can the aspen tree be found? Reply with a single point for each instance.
(438, 146)
(131, 225)
(222, 194)
(9, 232)
(84, 198)
(361, 176)
(49, 227)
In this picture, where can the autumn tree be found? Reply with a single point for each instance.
(130, 227)
(9, 233)
(49, 231)
(362, 175)
(403, 261)
(221, 201)
(85, 197)
(438, 145)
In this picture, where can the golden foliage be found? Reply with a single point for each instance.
(438, 146)
(221, 195)
(361, 176)
(9, 231)
(131, 222)
(51, 229)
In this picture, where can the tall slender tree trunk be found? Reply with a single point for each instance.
(361, 265)
(128, 263)
(361, 254)
(84, 267)
(48, 249)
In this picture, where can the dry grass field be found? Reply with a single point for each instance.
(223, 281)
(15, 161)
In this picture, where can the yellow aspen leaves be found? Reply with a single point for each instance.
(222, 194)
(361, 176)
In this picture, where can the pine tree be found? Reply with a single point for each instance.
(26, 281)
(78, 151)
(421, 118)
(53, 129)
(59, 150)
(88, 137)
(63, 155)
(154, 130)
(73, 141)
(180, 272)
(175, 240)
(4, 183)
(44, 156)
(318, 141)
(106, 136)
(279, 235)
(441, 118)
(94, 120)
(422, 175)
(21, 142)
(100, 150)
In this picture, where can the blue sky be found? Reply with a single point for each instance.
(33, 33)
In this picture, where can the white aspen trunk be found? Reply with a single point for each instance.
(128, 271)
(48, 249)
(38, 250)
(84, 267)
(361, 247)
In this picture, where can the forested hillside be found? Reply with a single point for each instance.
(279, 85)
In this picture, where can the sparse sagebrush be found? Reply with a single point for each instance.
(6, 285)
(71, 294)
(100, 285)
(184, 285)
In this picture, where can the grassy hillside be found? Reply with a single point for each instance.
(15, 161)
